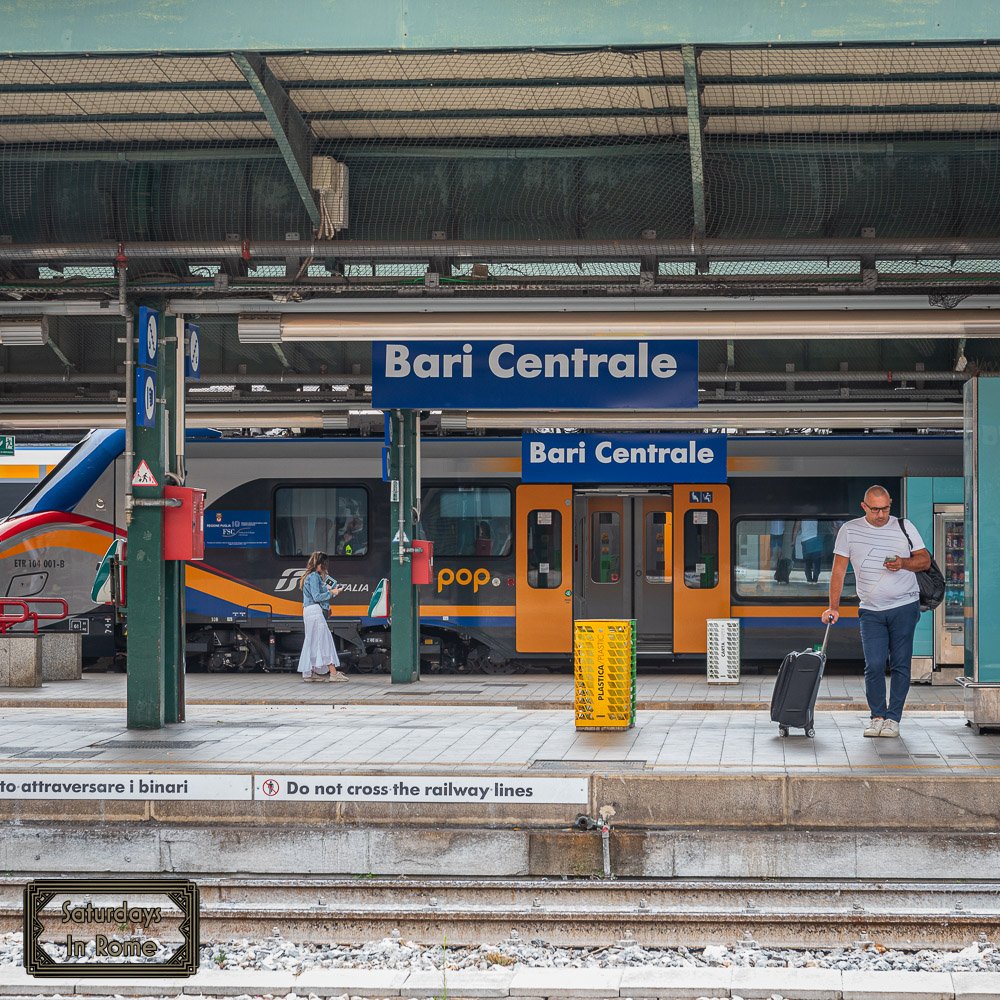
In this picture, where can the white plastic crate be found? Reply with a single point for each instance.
(723, 651)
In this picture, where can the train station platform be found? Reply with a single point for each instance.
(655, 692)
(366, 778)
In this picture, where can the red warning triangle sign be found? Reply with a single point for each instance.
(143, 476)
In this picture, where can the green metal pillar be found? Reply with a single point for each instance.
(404, 604)
(146, 579)
(172, 373)
(982, 530)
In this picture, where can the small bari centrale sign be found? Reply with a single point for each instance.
(147, 928)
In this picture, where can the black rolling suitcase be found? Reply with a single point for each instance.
(793, 702)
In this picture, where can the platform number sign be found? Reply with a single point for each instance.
(148, 332)
(192, 351)
(145, 398)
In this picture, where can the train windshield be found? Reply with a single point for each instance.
(64, 487)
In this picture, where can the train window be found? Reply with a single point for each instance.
(468, 521)
(787, 557)
(658, 547)
(701, 549)
(605, 546)
(544, 549)
(331, 519)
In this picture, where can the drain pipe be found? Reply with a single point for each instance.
(122, 263)
(606, 812)
(585, 823)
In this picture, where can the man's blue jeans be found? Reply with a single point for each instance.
(888, 635)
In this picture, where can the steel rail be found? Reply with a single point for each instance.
(653, 912)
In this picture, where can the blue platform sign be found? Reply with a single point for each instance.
(192, 351)
(145, 397)
(535, 374)
(148, 332)
(244, 529)
(623, 458)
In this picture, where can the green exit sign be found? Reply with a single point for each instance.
(6, 444)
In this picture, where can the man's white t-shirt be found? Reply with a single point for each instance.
(867, 546)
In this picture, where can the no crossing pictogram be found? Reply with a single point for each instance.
(270, 787)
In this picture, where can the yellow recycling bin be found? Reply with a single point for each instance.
(604, 673)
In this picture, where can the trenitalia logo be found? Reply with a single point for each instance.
(463, 577)
(289, 581)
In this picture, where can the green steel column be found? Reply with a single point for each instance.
(173, 602)
(982, 529)
(145, 582)
(404, 604)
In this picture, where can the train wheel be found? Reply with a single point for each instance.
(482, 660)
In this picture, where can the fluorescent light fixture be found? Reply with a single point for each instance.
(259, 329)
(902, 416)
(24, 331)
(704, 325)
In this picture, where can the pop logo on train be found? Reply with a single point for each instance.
(463, 577)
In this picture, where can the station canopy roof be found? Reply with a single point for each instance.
(656, 172)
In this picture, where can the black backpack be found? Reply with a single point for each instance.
(930, 580)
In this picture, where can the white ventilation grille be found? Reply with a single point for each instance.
(723, 651)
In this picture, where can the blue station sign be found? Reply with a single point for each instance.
(244, 529)
(535, 374)
(623, 458)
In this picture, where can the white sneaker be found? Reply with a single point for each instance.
(890, 728)
(875, 727)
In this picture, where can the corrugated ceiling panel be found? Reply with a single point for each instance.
(144, 69)
(166, 131)
(860, 95)
(545, 128)
(850, 123)
(874, 61)
(138, 102)
(499, 98)
(497, 65)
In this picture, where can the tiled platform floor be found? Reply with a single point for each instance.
(662, 691)
(325, 737)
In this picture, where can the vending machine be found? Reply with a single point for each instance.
(949, 616)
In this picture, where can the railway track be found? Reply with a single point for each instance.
(660, 913)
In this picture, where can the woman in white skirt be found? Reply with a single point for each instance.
(319, 660)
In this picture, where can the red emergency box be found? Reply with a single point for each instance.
(184, 526)
(422, 564)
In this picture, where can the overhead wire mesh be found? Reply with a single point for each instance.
(592, 147)
(516, 147)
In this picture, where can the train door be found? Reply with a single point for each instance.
(623, 562)
(702, 565)
(544, 569)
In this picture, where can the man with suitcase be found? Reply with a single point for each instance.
(889, 598)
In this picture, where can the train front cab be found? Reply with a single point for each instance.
(658, 555)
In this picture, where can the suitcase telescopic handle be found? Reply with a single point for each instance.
(826, 635)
